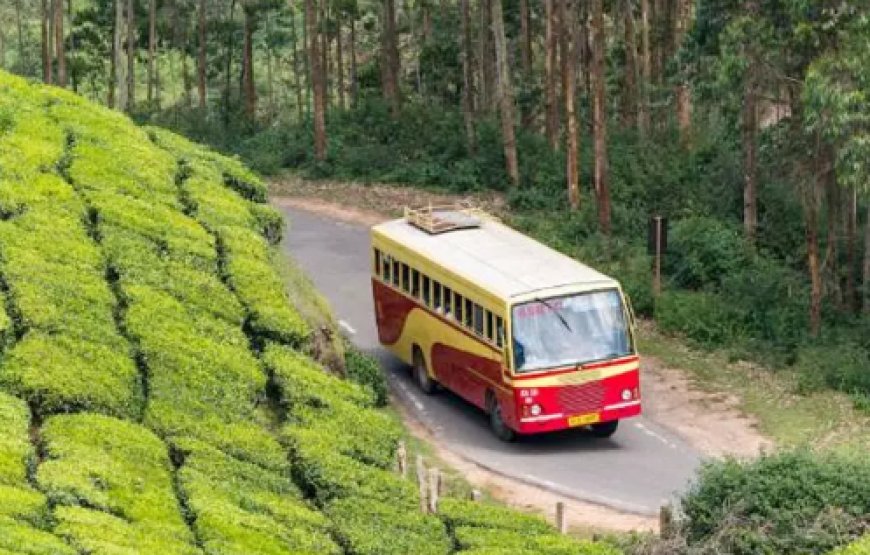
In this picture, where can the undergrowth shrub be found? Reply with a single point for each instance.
(365, 370)
(790, 502)
(703, 317)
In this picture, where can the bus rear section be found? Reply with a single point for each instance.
(538, 341)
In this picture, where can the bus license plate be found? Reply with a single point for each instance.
(584, 419)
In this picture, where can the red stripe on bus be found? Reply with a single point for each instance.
(392, 309)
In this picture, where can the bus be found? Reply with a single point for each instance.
(537, 340)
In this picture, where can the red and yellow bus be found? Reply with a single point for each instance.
(534, 338)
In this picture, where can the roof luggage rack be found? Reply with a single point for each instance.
(435, 219)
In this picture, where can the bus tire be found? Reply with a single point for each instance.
(496, 422)
(605, 429)
(421, 374)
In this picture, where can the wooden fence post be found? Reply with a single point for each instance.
(561, 521)
(666, 521)
(402, 455)
(421, 482)
(434, 479)
(476, 495)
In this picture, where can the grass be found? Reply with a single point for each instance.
(824, 419)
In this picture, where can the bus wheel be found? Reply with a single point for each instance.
(496, 422)
(604, 429)
(421, 374)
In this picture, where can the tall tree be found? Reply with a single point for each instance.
(152, 48)
(570, 35)
(551, 106)
(59, 44)
(120, 82)
(296, 73)
(131, 54)
(23, 57)
(749, 130)
(525, 38)
(249, 86)
(485, 57)
(599, 117)
(201, 74)
(317, 79)
(390, 58)
(630, 95)
(339, 59)
(851, 215)
(505, 94)
(467, 78)
(683, 92)
(46, 42)
(645, 66)
(354, 77)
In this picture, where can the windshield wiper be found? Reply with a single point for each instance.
(556, 311)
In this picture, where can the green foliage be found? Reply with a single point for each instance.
(251, 273)
(471, 539)
(58, 373)
(703, 250)
(367, 527)
(860, 547)
(115, 467)
(365, 370)
(839, 364)
(15, 448)
(241, 507)
(791, 502)
(24, 539)
(703, 317)
(458, 513)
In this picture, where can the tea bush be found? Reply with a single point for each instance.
(860, 547)
(791, 502)
(365, 370)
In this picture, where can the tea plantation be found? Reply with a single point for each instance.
(154, 394)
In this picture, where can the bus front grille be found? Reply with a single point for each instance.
(579, 399)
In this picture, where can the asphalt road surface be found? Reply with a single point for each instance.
(642, 466)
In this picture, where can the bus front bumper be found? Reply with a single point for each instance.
(555, 422)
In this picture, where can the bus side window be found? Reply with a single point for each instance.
(478, 319)
(377, 262)
(426, 290)
(406, 278)
(448, 301)
(459, 308)
(436, 296)
(469, 313)
(489, 330)
(388, 265)
(395, 272)
(499, 331)
(415, 284)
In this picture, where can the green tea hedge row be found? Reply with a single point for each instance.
(243, 508)
(251, 273)
(118, 475)
(860, 547)
(342, 449)
(23, 511)
(71, 356)
(483, 528)
(235, 174)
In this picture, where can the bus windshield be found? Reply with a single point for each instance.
(570, 330)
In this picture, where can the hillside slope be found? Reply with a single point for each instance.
(154, 397)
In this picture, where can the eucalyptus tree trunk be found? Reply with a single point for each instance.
(22, 52)
(599, 118)
(339, 59)
(525, 38)
(749, 132)
(317, 78)
(851, 215)
(250, 89)
(630, 95)
(568, 47)
(866, 270)
(131, 55)
(120, 81)
(467, 79)
(201, 76)
(354, 79)
(59, 44)
(505, 95)
(297, 80)
(683, 93)
(45, 28)
(390, 58)
(645, 67)
(551, 106)
(152, 48)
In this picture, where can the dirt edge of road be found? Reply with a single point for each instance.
(710, 422)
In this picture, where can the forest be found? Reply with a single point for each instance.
(744, 122)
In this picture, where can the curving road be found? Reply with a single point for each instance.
(642, 466)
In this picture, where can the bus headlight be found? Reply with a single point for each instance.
(626, 395)
(536, 410)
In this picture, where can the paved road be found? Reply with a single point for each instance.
(639, 468)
